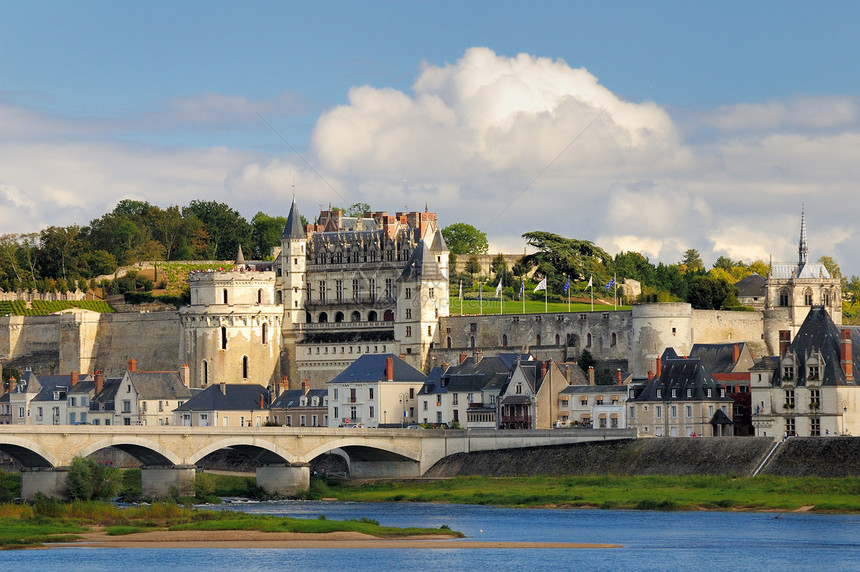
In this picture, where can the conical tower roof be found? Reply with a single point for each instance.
(422, 265)
(293, 228)
(240, 257)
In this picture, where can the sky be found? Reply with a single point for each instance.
(641, 126)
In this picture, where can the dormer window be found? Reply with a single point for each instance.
(708, 393)
(659, 394)
(689, 392)
(674, 393)
(788, 373)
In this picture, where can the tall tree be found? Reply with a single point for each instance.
(463, 238)
(558, 257)
(692, 260)
(225, 227)
(267, 231)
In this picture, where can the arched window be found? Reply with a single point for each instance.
(449, 342)
(265, 333)
(204, 372)
(504, 341)
(260, 296)
(557, 339)
(224, 296)
(223, 338)
(588, 340)
(308, 318)
(783, 297)
(323, 318)
(338, 317)
(388, 316)
(613, 339)
(472, 341)
(825, 298)
(807, 297)
(537, 340)
(371, 316)
(244, 367)
(279, 297)
(356, 316)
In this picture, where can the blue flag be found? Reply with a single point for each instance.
(567, 285)
(610, 284)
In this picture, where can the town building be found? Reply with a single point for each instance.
(303, 407)
(593, 406)
(374, 390)
(809, 389)
(682, 399)
(225, 405)
(730, 364)
(139, 397)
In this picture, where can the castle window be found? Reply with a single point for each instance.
(338, 290)
(588, 340)
(223, 338)
(388, 287)
(356, 316)
(408, 331)
(372, 289)
(338, 317)
(431, 293)
(557, 340)
(371, 316)
(472, 341)
(537, 340)
(408, 313)
(204, 370)
(408, 294)
(355, 289)
(825, 298)
(388, 316)
(323, 318)
(260, 296)
(504, 340)
(613, 340)
(224, 297)
(244, 367)
(449, 342)
(322, 291)
(429, 330)
(807, 297)
(783, 297)
(265, 333)
(279, 297)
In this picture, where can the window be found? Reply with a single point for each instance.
(583, 401)
(389, 287)
(674, 393)
(370, 393)
(72, 418)
(335, 396)
(205, 372)
(260, 296)
(807, 297)
(674, 411)
(689, 411)
(245, 367)
(126, 406)
(408, 313)
(73, 402)
(659, 413)
(352, 397)
(161, 406)
(814, 399)
(689, 392)
(613, 339)
(455, 399)
(790, 428)
(408, 294)
(708, 392)
(815, 427)
(783, 297)
(425, 405)
(659, 394)
(588, 340)
(372, 288)
(411, 393)
(355, 291)
(471, 397)
(322, 290)
(504, 340)
(789, 399)
(338, 290)
(224, 296)
(408, 331)
(223, 338)
(787, 372)
(372, 413)
(431, 293)
(336, 415)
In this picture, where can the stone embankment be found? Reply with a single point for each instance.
(738, 456)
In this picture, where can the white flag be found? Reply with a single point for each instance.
(460, 290)
(541, 286)
(499, 288)
(590, 285)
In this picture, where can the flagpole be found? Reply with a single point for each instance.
(545, 300)
(502, 297)
(523, 293)
(461, 297)
(591, 283)
(568, 294)
(481, 297)
(615, 292)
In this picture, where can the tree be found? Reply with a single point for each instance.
(585, 360)
(709, 293)
(225, 228)
(88, 479)
(357, 209)
(558, 257)
(266, 233)
(692, 260)
(499, 267)
(463, 238)
(831, 266)
(473, 265)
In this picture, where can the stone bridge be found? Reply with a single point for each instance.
(170, 454)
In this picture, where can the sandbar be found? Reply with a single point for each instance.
(333, 540)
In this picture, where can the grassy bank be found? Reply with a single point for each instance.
(48, 521)
(640, 492)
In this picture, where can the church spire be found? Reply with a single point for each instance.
(803, 249)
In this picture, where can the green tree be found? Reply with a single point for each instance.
(585, 360)
(473, 266)
(225, 229)
(463, 238)
(831, 266)
(88, 479)
(708, 293)
(267, 232)
(499, 267)
(557, 257)
(357, 209)
(692, 260)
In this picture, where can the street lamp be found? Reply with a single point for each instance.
(403, 404)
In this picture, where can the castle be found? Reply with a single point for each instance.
(343, 287)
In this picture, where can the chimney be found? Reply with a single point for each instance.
(618, 376)
(100, 382)
(784, 342)
(262, 402)
(132, 365)
(445, 366)
(591, 375)
(736, 353)
(463, 356)
(285, 383)
(389, 368)
(306, 386)
(12, 383)
(659, 367)
(223, 386)
(845, 353)
(650, 375)
(74, 378)
(479, 355)
(542, 369)
(185, 374)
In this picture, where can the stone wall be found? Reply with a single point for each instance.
(816, 456)
(715, 326)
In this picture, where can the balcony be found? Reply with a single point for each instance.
(352, 303)
(329, 326)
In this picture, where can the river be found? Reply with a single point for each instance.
(651, 541)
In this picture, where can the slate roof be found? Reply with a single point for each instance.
(818, 333)
(293, 228)
(159, 385)
(421, 265)
(788, 270)
(83, 386)
(681, 375)
(719, 358)
(371, 367)
(439, 243)
(490, 373)
(236, 397)
(106, 398)
(596, 389)
(291, 398)
(753, 286)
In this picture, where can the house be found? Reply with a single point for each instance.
(376, 389)
(225, 405)
(730, 364)
(303, 407)
(682, 399)
(37, 401)
(79, 396)
(102, 405)
(466, 394)
(752, 291)
(139, 397)
(810, 388)
(593, 406)
(530, 400)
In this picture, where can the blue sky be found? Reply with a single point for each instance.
(712, 121)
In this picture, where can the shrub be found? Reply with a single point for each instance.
(90, 480)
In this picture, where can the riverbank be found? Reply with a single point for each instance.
(667, 493)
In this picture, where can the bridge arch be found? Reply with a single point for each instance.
(365, 446)
(261, 450)
(28, 453)
(144, 450)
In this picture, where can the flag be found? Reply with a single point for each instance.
(460, 291)
(590, 285)
(522, 288)
(541, 286)
(610, 284)
(567, 285)
(499, 288)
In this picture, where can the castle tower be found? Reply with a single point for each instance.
(291, 284)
